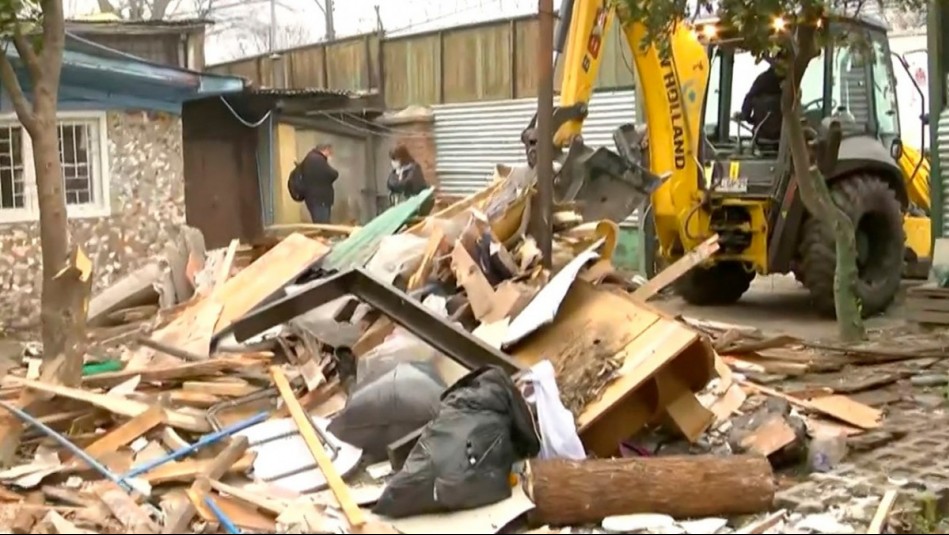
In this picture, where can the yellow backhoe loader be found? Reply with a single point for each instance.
(696, 170)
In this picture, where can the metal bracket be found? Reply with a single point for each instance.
(454, 342)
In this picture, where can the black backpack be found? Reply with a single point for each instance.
(295, 183)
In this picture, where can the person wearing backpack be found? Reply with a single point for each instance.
(311, 182)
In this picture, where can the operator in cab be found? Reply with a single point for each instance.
(762, 105)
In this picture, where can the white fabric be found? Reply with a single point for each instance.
(558, 434)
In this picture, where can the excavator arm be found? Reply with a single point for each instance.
(662, 161)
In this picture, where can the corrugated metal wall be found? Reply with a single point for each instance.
(471, 138)
(943, 151)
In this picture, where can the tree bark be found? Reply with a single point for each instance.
(580, 492)
(816, 194)
(64, 298)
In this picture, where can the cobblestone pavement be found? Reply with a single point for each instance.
(915, 464)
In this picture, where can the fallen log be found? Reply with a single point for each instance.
(581, 492)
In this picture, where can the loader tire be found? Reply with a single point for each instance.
(875, 210)
(721, 284)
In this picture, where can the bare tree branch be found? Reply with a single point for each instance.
(25, 50)
(10, 82)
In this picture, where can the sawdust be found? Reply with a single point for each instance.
(584, 370)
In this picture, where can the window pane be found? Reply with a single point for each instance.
(12, 187)
(77, 153)
(884, 89)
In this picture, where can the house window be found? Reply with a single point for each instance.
(83, 151)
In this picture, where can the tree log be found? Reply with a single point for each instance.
(580, 492)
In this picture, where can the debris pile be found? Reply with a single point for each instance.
(419, 376)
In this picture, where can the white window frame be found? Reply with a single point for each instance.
(100, 207)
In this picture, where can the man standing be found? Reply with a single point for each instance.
(318, 178)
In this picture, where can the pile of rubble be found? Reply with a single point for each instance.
(423, 375)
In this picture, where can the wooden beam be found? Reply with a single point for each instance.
(304, 425)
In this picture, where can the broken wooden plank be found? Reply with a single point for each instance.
(472, 279)
(838, 407)
(116, 405)
(232, 389)
(424, 271)
(127, 432)
(214, 469)
(223, 271)
(354, 514)
(188, 470)
(272, 506)
(678, 268)
(769, 437)
(27, 517)
(169, 373)
(241, 515)
(763, 525)
(124, 509)
(878, 523)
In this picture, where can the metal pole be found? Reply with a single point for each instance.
(543, 231)
(330, 28)
(273, 25)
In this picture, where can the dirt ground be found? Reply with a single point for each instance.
(778, 304)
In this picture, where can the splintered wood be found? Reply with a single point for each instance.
(584, 341)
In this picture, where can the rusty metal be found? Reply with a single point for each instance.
(453, 341)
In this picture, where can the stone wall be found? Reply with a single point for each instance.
(147, 211)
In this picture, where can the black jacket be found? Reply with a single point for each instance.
(318, 179)
(408, 181)
(767, 84)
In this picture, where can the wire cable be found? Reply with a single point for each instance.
(243, 121)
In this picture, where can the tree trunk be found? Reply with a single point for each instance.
(817, 198)
(580, 492)
(64, 298)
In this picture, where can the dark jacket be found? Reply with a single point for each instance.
(762, 105)
(318, 179)
(407, 181)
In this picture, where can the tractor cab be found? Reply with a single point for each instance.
(851, 80)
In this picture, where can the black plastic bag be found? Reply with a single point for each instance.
(464, 457)
(388, 405)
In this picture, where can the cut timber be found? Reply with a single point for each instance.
(247, 289)
(116, 405)
(583, 492)
(678, 268)
(354, 514)
(883, 512)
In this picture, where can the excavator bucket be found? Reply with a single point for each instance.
(604, 184)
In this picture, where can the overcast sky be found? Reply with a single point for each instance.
(302, 21)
